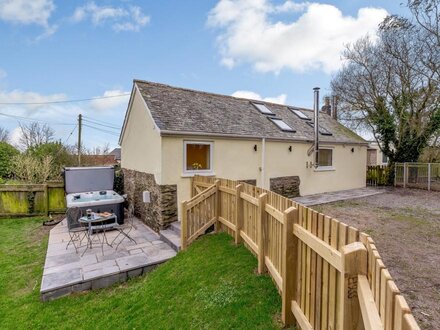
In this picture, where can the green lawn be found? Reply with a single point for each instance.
(213, 285)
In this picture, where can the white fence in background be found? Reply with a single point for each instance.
(418, 175)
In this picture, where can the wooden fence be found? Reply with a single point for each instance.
(377, 175)
(418, 175)
(330, 275)
(31, 199)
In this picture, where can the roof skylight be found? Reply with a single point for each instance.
(299, 113)
(322, 130)
(262, 108)
(282, 125)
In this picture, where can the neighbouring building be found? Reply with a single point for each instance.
(170, 134)
(116, 153)
(375, 156)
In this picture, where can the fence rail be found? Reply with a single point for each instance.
(418, 175)
(329, 275)
(31, 199)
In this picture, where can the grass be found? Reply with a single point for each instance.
(213, 285)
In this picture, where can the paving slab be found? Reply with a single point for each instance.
(66, 271)
(335, 196)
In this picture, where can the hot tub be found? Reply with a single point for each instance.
(92, 188)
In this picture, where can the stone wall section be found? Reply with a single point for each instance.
(162, 209)
(287, 186)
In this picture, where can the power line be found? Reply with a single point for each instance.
(65, 141)
(65, 101)
(101, 130)
(96, 123)
(100, 121)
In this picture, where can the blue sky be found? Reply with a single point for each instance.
(67, 50)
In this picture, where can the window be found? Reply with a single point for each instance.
(322, 130)
(197, 156)
(263, 109)
(384, 158)
(282, 125)
(325, 158)
(299, 113)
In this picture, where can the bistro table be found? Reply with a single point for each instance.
(99, 222)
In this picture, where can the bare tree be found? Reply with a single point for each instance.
(392, 87)
(4, 135)
(35, 134)
(98, 150)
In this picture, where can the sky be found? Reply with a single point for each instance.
(63, 51)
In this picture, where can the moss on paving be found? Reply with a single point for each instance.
(213, 285)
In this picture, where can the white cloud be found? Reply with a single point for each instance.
(14, 136)
(63, 116)
(312, 39)
(280, 99)
(18, 96)
(112, 101)
(121, 19)
(27, 12)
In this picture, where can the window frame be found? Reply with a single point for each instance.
(269, 112)
(209, 171)
(326, 167)
(301, 115)
(275, 120)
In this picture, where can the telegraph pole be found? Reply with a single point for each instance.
(79, 138)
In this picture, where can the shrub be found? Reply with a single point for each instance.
(60, 154)
(7, 152)
(32, 169)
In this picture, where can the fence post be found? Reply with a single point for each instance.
(46, 198)
(261, 220)
(217, 205)
(289, 251)
(354, 263)
(184, 227)
(238, 213)
(429, 176)
(405, 174)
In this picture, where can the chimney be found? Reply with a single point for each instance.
(316, 109)
(327, 108)
(334, 107)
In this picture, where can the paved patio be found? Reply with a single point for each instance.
(66, 272)
(331, 197)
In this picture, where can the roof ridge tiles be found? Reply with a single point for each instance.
(218, 94)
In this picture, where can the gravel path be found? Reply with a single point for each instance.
(405, 225)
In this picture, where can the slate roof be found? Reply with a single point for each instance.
(182, 111)
(116, 152)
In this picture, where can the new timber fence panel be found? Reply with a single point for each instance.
(329, 275)
(377, 175)
(32, 199)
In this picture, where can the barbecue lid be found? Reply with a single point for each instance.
(83, 179)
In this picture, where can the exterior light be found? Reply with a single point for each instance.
(290, 148)
(255, 147)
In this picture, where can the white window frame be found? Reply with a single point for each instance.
(209, 171)
(326, 168)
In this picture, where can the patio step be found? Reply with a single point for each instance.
(175, 226)
(171, 237)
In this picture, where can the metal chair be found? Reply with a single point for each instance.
(126, 228)
(77, 231)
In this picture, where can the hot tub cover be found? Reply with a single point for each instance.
(83, 179)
